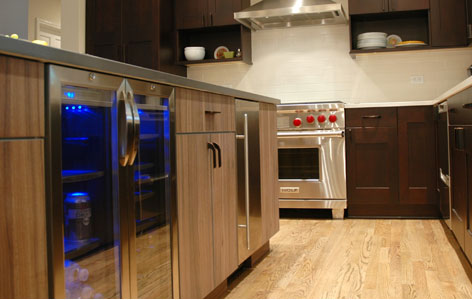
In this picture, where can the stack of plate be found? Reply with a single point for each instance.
(372, 40)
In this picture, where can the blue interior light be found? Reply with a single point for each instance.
(79, 194)
(80, 106)
(70, 95)
(67, 107)
(73, 107)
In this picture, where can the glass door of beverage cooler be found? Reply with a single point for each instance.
(89, 249)
(150, 208)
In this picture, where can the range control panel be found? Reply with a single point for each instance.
(311, 116)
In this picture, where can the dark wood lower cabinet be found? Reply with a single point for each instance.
(391, 171)
(371, 170)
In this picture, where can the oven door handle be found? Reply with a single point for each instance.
(303, 134)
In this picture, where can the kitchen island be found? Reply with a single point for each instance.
(60, 108)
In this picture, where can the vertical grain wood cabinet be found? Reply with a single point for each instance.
(357, 7)
(391, 162)
(269, 170)
(207, 13)
(206, 191)
(139, 34)
(23, 249)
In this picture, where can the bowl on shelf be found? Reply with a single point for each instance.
(228, 54)
(194, 53)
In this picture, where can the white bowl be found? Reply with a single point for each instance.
(194, 53)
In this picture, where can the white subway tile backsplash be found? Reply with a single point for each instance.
(313, 64)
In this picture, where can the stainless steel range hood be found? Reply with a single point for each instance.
(290, 13)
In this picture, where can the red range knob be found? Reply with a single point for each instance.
(310, 119)
(321, 118)
(297, 122)
(333, 118)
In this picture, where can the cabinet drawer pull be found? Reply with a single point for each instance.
(212, 112)
(467, 106)
(372, 117)
(459, 139)
(212, 148)
(217, 147)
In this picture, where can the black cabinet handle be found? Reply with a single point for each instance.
(372, 117)
(467, 106)
(210, 146)
(217, 147)
(211, 19)
(203, 20)
(350, 135)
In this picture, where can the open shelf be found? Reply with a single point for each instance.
(70, 176)
(210, 61)
(143, 195)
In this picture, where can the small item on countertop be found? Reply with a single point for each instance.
(393, 40)
(14, 36)
(239, 54)
(228, 54)
(218, 54)
(40, 42)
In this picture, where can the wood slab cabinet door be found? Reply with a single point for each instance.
(448, 23)
(458, 175)
(417, 156)
(372, 172)
(195, 220)
(191, 14)
(407, 5)
(23, 249)
(225, 226)
(360, 7)
(21, 98)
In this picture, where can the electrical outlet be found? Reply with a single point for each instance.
(417, 79)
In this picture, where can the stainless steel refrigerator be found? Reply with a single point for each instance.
(109, 186)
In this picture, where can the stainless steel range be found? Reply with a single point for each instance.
(312, 167)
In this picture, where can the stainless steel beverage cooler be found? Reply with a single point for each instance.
(109, 187)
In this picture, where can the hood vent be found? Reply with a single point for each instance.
(269, 14)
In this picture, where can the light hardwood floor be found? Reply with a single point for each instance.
(357, 259)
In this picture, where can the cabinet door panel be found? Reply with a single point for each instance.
(417, 155)
(21, 98)
(194, 216)
(191, 14)
(103, 26)
(458, 184)
(189, 110)
(141, 32)
(406, 5)
(23, 250)
(222, 11)
(225, 208)
(359, 7)
(269, 170)
(448, 23)
(372, 176)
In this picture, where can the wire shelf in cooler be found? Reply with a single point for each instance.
(143, 195)
(74, 249)
(69, 176)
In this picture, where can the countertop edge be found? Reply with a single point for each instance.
(45, 54)
(389, 104)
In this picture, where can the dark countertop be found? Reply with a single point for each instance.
(45, 54)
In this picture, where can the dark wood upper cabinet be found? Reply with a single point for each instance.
(361, 7)
(448, 23)
(141, 33)
(407, 5)
(191, 14)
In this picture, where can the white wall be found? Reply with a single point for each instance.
(73, 25)
(14, 17)
(307, 64)
(49, 10)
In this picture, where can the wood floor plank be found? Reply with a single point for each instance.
(357, 259)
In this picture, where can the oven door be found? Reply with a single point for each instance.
(312, 165)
